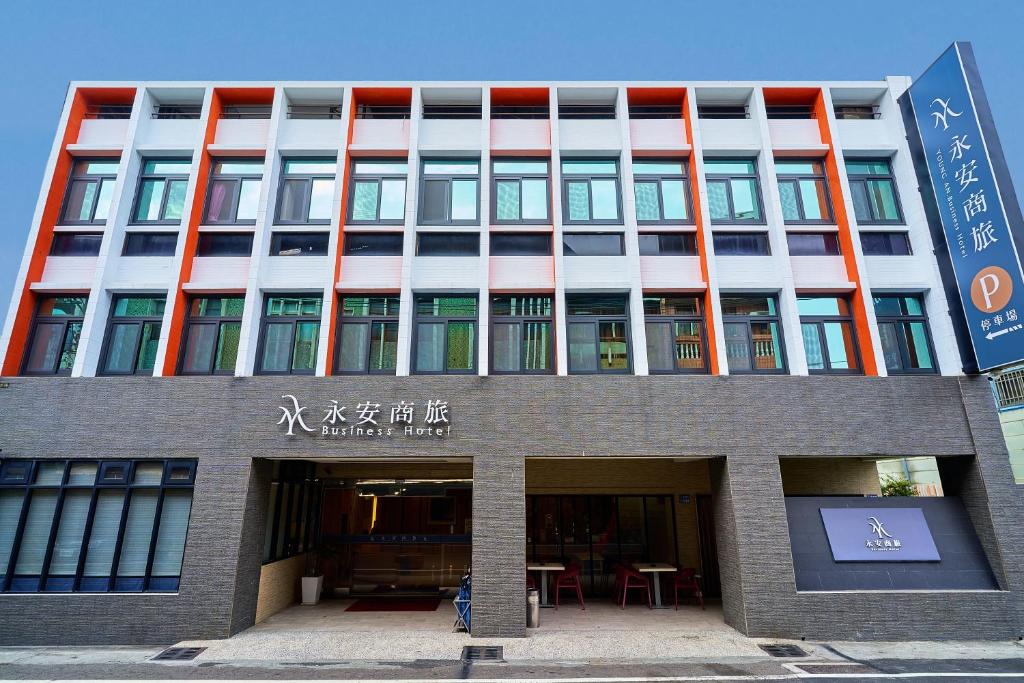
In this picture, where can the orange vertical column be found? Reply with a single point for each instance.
(709, 316)
(858, 299)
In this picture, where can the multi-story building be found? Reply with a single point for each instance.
(386, 330)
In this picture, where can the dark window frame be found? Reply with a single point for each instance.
(671, 319)
(369, 321)
(132, 234)
(748, 320)
(448, 179)
(346, 236)
(889, 234)
(377, 178)
(446, 320)
(421, 233)
(862, 179)
(897, 321)
(620, 235)
(277, 235)
(308, 179)
(519, 177)
(217, 321)
(659, 178)
(138, 320)
(168, 178)
(833, 233)
(67, 233)
(819, 322)
(516, 319)
(236, 192)
(28, 486)
(726, 178)
(99, 178)
(294, 320)
(213, 234)
(37, 319)
(688, 238)
(589, 178)
(305, 499)
(729, 233)
(549, 237)
(596, 321)
(794, 180)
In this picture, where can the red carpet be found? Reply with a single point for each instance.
(394, 605)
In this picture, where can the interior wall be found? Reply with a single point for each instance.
(279, 586)
(829, 477)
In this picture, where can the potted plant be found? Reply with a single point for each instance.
(312, 579)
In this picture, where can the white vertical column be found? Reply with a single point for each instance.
(707, 246)
(94, 324)
(405, 311)
(638, 332)
(483, 301)
(561, 330)
(253, 312)
(788, 313)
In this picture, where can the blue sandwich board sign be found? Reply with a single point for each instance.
(975, 211)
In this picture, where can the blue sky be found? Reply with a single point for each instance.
(45, 45)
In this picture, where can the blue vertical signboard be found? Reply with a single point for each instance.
(975, 204)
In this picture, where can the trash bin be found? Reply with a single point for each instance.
(532, 608)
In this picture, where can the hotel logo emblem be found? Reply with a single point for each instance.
(885, 540)
(367, 419)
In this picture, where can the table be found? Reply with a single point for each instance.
(655, 568)
(544, 568)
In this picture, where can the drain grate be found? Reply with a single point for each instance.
(482, 653)
(180, 654)
(783, 650)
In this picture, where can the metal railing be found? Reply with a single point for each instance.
(108, 111)
(314, 111)
(452, 111)
(246, 111)
(177, 111)
(857, 112)
(509, 111)
(1009, 388)
(790, 111)
(723, 111)
(586, 111)
(383, 111)
(656, 111)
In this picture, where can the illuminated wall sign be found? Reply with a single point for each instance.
(364, 419)
(879, 535)
(976, 204)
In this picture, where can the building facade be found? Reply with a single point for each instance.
(601, 322)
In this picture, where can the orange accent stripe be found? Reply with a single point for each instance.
(81, 99)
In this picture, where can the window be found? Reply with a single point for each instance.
(76, 244)
(367, 335)
(723, 111)
(513, 111)
(66, 528)
(445, 334)
(803, 190)
(290, 335)
(829, 341)
(299, 243)
(789, 111)
(246, 111)
(856, 112)
(521, 334)
(133, 335)
(733, 192)
(593, 244)
(150, 244)
(383, 111)
(885, 243)
(668, 244)
(56, 329)
(293, 510)
(211, 335)
(903, 328)
(450, 192)
(661, 192)
(161, 194)
(177, 111)
(452, 111)
(234, 194)
(90, 189)
(314, 111)
(753, 334)
(598, 327)
(586, 111)
(741, 244)
(373, 243)
(377, 192)
(224, 244)
(675, 334)
(306, 195)
(520, 190)
(656, 111)
(590, 191)
(520, 244)
(874, 191)
(447, 244)
(813, 243)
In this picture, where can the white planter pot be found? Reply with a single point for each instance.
(311, 588)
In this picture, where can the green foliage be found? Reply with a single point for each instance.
(897, 486)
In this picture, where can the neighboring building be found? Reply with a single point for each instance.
(1009, 395)
(923, 473)
(416, 326)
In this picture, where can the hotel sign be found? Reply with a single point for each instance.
(975, 201)
(879, 535)
(367, 419)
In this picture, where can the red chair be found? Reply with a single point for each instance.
(686, 580)
(569, 578)
(631, 578)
